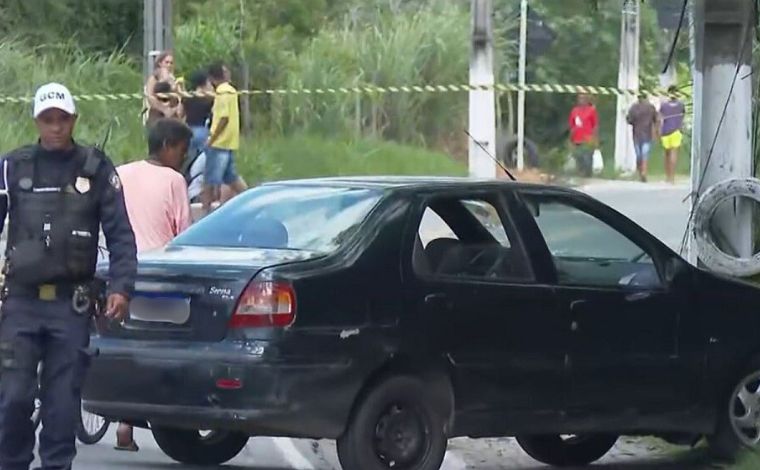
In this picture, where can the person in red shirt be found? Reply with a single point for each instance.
(584, 132)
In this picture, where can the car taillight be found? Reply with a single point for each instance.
(265, 304)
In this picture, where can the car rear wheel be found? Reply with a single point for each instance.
(197, 448)
(567, 451)
(739, 419)
(394, 426)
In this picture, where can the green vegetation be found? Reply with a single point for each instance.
(302, 156)
(319, 43)
(750, 461)
(25, 68)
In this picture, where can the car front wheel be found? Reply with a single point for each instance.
(739, 419)
(199, 448)
(394, 426)
(567, 451)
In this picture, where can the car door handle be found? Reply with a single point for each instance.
(438, 299)
(576, 305)
(637, 296)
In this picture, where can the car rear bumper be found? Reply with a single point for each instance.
(179, 385)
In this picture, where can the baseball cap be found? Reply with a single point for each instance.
(53, 95)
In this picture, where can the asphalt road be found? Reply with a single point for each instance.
(656, 207)
(290, 454)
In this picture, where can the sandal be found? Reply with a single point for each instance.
(131, 447)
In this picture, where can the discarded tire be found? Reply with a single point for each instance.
(709, 253)
(506, 152)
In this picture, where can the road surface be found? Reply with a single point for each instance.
(658, 208)
(292, 454)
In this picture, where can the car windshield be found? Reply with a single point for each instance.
(309, 218)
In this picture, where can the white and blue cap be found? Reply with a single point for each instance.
(53, 95)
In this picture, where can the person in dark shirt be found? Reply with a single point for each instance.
(56, 195)
(198, 113)
(643, 119)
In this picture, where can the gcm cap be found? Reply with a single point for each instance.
(53, 95)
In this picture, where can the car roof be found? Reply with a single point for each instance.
(417, 183)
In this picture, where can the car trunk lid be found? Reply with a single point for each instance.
(189, 293)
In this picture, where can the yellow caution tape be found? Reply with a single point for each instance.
(370, 90)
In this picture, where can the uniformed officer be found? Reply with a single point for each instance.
(57, 194)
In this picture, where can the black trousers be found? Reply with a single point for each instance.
(31, 331)
(584, 159)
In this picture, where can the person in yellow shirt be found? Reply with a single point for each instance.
(224, 140)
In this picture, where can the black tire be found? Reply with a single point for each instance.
(91, 436)
(725, 444)
(190, 447)
(507, 152)
(399, 405)
(575, 451)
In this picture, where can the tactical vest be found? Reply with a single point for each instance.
(52, 232)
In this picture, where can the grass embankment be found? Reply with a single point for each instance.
(259, 159)
(308, 156)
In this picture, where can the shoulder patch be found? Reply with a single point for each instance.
(115, 181)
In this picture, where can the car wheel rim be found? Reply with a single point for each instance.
(745, 410)
(211, 437)
(573, 439)
(92, 423)
(402, 437)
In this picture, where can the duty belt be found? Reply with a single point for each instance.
(81, 295)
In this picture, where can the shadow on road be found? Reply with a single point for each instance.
(685, 460)
(179, 466)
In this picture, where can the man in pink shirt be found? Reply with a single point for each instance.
(156, 197)
(154, 190)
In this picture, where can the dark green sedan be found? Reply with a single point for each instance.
(392, 314)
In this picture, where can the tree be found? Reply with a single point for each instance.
(101, 26)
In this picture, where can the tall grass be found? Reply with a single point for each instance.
(427, 46)
(308, 156)
(261, 158)
(25, 69)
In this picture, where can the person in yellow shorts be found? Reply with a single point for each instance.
(671, 121)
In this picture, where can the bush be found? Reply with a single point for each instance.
(24, 69)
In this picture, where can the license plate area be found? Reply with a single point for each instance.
(166, 308)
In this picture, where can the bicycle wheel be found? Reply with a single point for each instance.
(91, 427)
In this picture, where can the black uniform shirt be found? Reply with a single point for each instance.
(114, 219)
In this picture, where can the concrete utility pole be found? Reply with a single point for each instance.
(482, 103)
(628, 78)
(723, 31)
(696, 141)
(157, 31)
(521, 93)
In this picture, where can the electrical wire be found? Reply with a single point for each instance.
(675, 38)
(747, 38)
